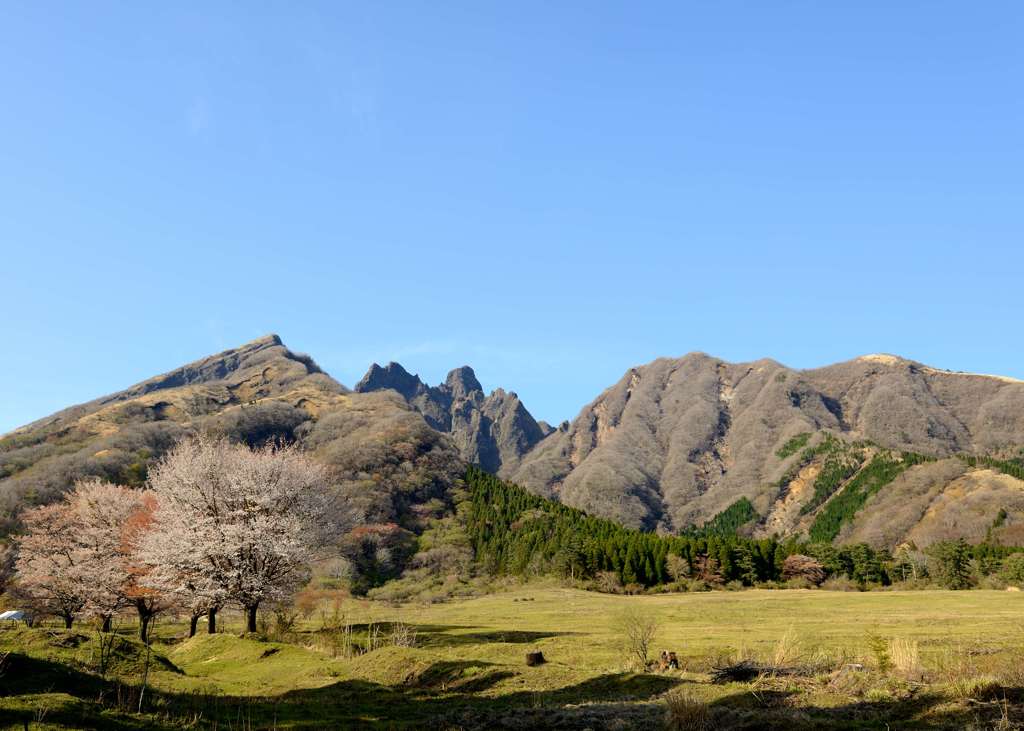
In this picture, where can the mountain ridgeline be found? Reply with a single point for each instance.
(878, 450)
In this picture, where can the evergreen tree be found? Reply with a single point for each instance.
(952, 562)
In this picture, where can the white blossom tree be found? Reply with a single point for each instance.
(77, 556)
(47, 573)
(99, 513)
(177, 569)
(235, 523)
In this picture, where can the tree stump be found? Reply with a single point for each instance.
(533, 659)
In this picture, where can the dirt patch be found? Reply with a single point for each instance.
(785, 513)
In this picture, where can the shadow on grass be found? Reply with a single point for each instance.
(445, 689)
(747, 711)
(448, 694)
(462, 676)
(452, 635)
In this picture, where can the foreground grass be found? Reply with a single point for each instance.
(466, 666)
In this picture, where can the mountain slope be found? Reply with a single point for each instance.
(254, 393)
(676, 441)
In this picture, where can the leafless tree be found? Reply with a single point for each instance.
(678, 567)
(636, 630)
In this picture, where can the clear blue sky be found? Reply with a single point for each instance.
(550, 194)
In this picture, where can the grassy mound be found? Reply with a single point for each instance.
(243, 664)
(67, 660)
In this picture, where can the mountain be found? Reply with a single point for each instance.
(878, 449)
(382, 452)
(493, 431)
(677, 441)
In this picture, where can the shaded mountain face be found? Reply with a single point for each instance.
(677, 441)
(493, 431)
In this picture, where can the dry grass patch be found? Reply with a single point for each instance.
(686, 712)
(906, 658)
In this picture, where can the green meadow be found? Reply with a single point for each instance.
(921, 659)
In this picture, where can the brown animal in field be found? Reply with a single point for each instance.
(668, 661)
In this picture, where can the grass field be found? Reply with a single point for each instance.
(957, 660)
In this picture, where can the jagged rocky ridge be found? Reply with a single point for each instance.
(493, 431)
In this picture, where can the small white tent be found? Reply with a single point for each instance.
(14, 615)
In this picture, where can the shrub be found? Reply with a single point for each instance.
(686, 712)
(608, 582)
(839, 583)
(879, 649)
(403, 635)
(1012, 571)
(803, 567)
(798, 583)
(786, 651)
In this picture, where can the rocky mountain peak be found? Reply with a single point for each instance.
(392, 376)
(493, 432)
(461, 382)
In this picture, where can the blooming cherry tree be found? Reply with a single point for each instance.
(47, 572)
(234, 523)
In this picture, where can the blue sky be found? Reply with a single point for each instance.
(550, 192)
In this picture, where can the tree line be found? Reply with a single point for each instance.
(515, 532)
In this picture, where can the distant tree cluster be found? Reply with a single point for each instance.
(729, 521)
(218, 523)
(1013, 467)
(515, 532)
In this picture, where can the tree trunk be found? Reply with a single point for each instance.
(211, 621)
(251, 615)
(193, 624)
(106, 624)
(68, 619)
(144, 614)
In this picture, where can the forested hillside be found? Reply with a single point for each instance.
(515, 532)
